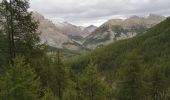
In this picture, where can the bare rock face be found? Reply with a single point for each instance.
(50, 34)
(62, 35)
(88, 30)
(72, 37)
(119, 29)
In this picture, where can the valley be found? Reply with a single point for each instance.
(84, 50)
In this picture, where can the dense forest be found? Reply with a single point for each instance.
(136, 67)
(132, 69)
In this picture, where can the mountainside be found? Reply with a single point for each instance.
(51, 34)
(63, 35)
(152, 46)
(73, 30)
(78, 38)
(60, 35)
(118, 29)
(88, 30)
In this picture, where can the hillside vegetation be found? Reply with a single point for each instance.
(140, 65)
(153, 46)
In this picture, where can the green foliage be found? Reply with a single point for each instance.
(159, 83)
(49, 95)
(92, 86)
(131, 84)
(3, 52)
(70, 92)
(20, 82)
(20, 29)
(58, 77)
(152, 47)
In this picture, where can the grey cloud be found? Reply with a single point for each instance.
(88, 11)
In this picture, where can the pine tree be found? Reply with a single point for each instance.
(3, 52)
(131, 84)
(21, 29)
(59, 77)
(92, 86)
(159, 83)
(49, 95)
(20, 82)
(3, 40)
(70, 92)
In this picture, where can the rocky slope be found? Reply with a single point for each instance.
(50, 34)
(61, 35)
(78, 38)
(74, 30)
(118, 29)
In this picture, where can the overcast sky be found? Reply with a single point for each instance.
(96, 12)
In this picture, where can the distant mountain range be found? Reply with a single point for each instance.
(79, 38)
(62, 35)
(118, 29)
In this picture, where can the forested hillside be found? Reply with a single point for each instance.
(120, 61)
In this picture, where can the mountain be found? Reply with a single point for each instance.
(60, 35)
(88, 30)
(118, 29)
(78, 38)
(152, 46)
(77, 33)
(51, 34)
(73, 30)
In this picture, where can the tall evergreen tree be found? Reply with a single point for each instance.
(59, 77)
(21, 29)
(131, 85)
(70, 92)
(3, 39)
(3, 52)
(49, 95)
(159, 83)
(92, 86)
(20, 82)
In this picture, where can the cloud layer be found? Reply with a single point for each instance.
(85, 12)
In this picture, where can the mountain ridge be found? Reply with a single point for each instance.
(118, 29)
(69, 36)
(152, 46)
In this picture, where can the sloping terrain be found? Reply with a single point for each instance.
(152, 46)
(59, 35)
(119, 29)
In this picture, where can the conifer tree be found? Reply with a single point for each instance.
(3, 52)
(3, 39)
(49, 95)
(70, 92)
(21, 29)
(159, 83)
(59, 77)
(131, 84)
(20, 82)
(92, 86)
